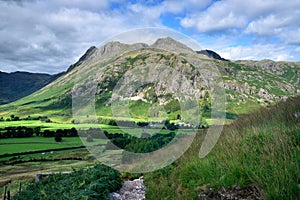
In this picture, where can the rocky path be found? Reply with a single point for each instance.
(131, 190)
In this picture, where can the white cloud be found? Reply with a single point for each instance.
(259, 52)
(48, 36)
(207, 23)
(269, 17)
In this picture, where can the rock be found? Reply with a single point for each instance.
(171, 45)
(264, 94)
(131, 190)
(250, 192)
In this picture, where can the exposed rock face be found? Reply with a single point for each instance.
(171, 45)
(131, 190)
(264, 94)
(100, 69)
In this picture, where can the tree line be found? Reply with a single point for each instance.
(16, 118)
(23, 132)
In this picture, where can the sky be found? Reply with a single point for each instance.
(47, 36)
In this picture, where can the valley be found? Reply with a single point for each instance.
(122, 100)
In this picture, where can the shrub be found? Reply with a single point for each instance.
(58, 138)
(93, 183)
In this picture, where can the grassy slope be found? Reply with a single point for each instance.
(55, 101)
(261, 148)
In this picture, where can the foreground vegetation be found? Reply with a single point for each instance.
(260, 149)
(93, 183)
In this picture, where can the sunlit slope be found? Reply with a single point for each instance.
(248, 84)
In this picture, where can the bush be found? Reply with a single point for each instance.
(93, 183)
(58, 138)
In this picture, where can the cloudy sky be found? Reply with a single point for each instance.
(48, 36)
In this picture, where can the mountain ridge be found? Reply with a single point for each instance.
(248, 84)
(16, 85)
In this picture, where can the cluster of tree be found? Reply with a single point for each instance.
(16, 118)
(124, 123)
(153, 143)
(170, 126)
(145, 144)
(61, 132)
(93, 183)
(22, 132)
(17, 132)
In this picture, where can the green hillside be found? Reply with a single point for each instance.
(248, 84)
(256, 157)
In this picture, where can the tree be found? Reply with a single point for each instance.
(58, 138)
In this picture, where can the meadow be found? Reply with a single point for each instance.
(259, 150)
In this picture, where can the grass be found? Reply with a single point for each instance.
(55, 126)
(26, 172)
(27, 145)
(20, 145)
(261, 148)
(10, 149)
(23, 145)
(66, 140)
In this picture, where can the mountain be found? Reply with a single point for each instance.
(84, 57)
(211, 54)
(151, 77)
(20, 84)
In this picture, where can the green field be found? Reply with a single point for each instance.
(54, 126)
(24, 145)
(51, 126)
(27, 145)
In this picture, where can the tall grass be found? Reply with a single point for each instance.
(261, 148)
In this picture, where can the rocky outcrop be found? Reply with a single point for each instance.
(169, 44)
(131, 190)
(174, 69)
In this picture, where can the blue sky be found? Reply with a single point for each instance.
(48, 36)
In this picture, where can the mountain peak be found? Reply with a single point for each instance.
(165, 40)
(116, 47)
(172, 45)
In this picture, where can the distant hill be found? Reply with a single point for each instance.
(16, 85)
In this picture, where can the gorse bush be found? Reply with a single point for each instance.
(93, 183)
(259, 149)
